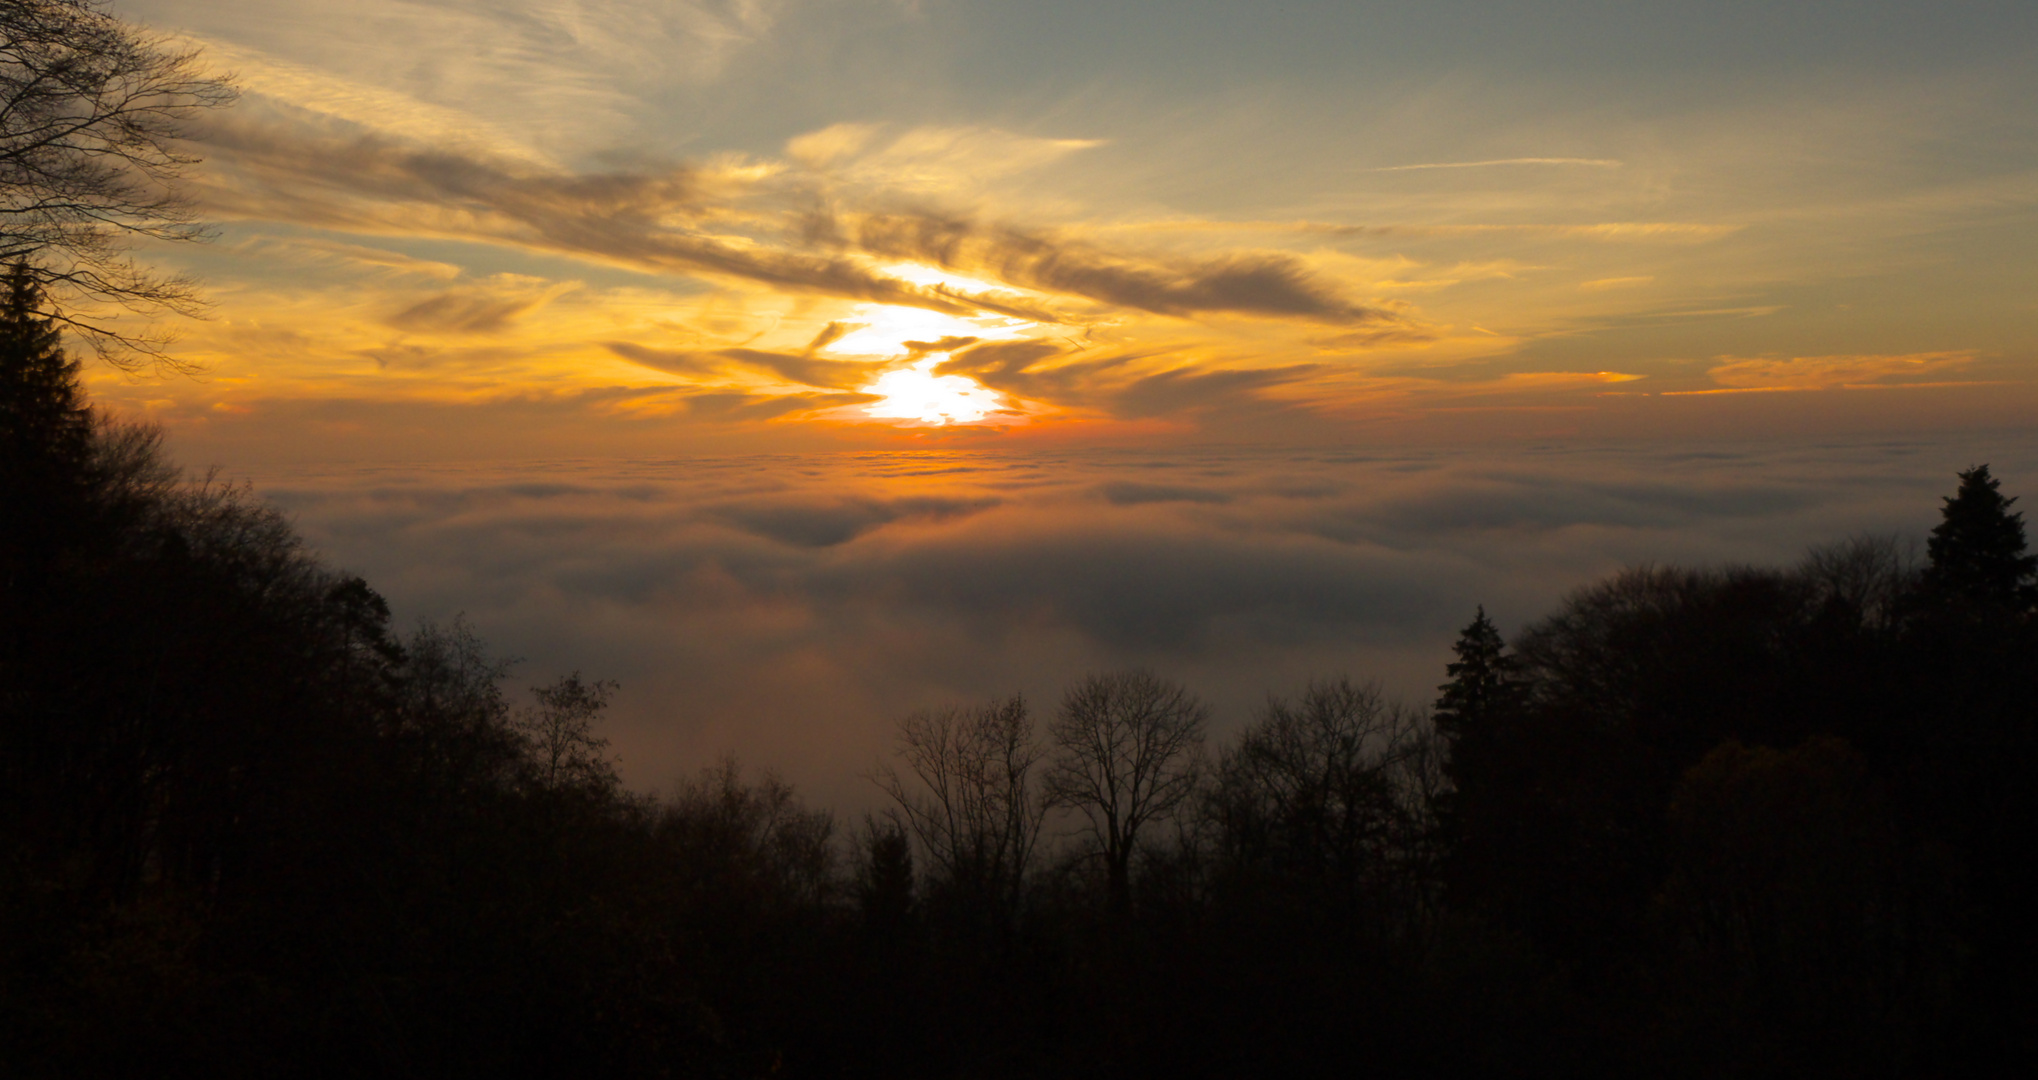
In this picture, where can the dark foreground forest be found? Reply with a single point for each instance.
(1722, 822)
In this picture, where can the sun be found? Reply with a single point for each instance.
(884, 329)
(916, 393)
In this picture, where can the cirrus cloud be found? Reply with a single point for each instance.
(1855, 372)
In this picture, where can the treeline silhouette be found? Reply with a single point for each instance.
(1733, 822)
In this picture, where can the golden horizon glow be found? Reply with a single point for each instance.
(916, 393)
(550, 230)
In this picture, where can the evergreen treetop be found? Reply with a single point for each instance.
(45, 424)
(1978, 549)
(1481, 679)
(47, 439)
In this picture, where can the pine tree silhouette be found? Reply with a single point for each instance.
(1481, 681)
(45, 425)
(1978, 550)
(46, 434)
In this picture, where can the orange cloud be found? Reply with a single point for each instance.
(732, 220)
(1851, 372)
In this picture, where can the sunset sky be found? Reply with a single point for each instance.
(799, 362)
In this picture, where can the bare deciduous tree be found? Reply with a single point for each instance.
(973, 808)
(92, 111)
(449, 711)
(753, 843)
(564, 748)
(1127, 747)
(1866, 576)
(1332, 791)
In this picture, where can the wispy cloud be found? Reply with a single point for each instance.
(940, 160)
(486, 309)
(653, 220)
(801, 368)
(1597, 163)
(729, 219)
(370, 104)
(1661, 231)
(319, 251)
(1252, 283)
(519, 78)
(1881, 371)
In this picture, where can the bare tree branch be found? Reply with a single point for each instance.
(560, 733)
(972, 808)
(1127, 749)
(92, 114)
(1335, 790)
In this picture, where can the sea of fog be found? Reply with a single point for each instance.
(787, 609)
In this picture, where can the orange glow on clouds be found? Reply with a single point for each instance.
(916, 393)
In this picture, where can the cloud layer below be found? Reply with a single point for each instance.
(787, 608)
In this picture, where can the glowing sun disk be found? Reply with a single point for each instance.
(916, 393)
(884, 329)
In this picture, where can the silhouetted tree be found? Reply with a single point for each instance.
(46, 444)
(43, 415)
(1673, 658)
(1963, 754)
(452, 724)
(1126, 755)
(1482, 678)
(758, 843)
(973, 806)
(1559, 815)
(1868, 573)
(1485, 689)
(1325, 797)
(94, 117)
(1485, 735)
(1807, 928)
(566, 752)
(1978, 548)
(884, 876)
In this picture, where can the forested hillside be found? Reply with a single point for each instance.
(1696, 822)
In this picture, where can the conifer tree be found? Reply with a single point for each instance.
(45, 425)
(1978, 550)
(46, 435)
(1482, 681)
(1475, 813)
